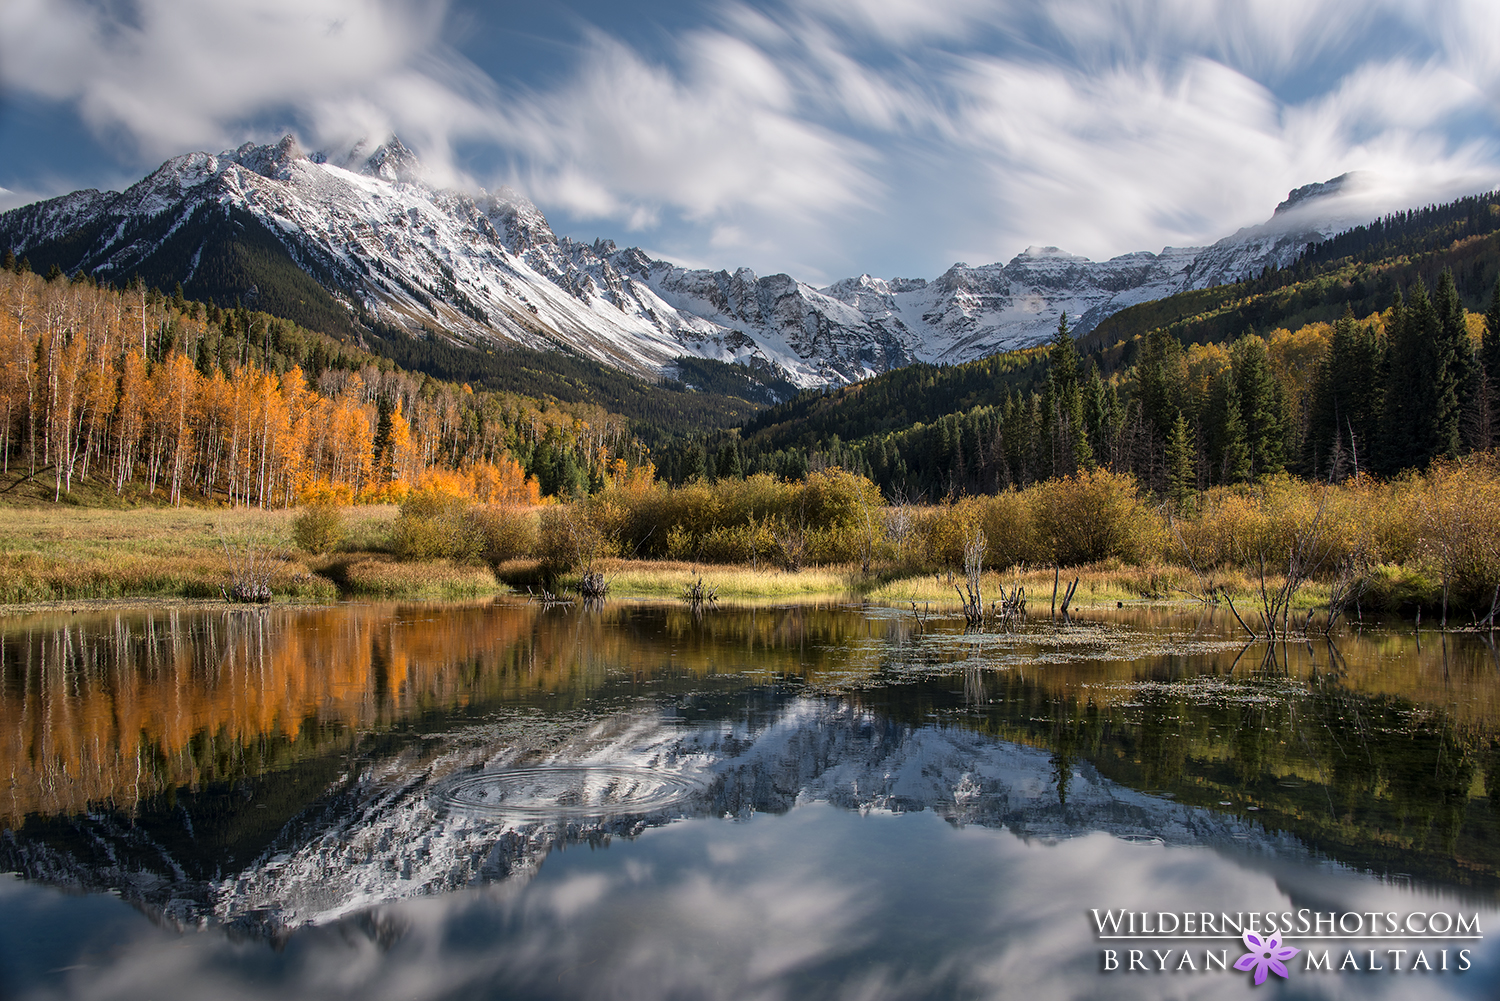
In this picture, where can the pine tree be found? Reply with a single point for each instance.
(1345, 398)
(1227, 445)
(1181, 481)
(1262, 406)
(1452, 369)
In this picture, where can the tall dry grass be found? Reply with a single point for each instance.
(1411, 542)
(67, 553)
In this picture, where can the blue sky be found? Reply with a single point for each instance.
(822, 138)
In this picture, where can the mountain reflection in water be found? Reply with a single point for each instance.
(376, 768)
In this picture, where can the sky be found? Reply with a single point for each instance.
(822, 138)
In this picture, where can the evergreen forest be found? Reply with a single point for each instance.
(1378, 351)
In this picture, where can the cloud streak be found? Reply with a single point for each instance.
(823, 138)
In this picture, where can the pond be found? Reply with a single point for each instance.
(503, 800)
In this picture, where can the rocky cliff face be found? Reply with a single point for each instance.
(487, 268)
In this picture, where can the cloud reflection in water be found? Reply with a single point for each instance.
(817, 903)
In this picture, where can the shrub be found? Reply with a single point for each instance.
(1226, 521)
(833, 516)
(319, 528)
(944, 530)
(1009, 524)
(837, 498)
(1459, 514)
(437, 525)
(507, 532)
(1094, 516)
(1394, 588)
(569, 539)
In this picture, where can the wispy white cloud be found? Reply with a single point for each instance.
(723, 134)
(1145, 155)
(827, 138)
(168, 76)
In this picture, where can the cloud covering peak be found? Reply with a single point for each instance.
(885, 136)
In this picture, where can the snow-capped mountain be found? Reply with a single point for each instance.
(487, 268)
(397, 830)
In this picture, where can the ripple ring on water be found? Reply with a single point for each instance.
(557, 791)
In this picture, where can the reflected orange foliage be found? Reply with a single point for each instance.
(113, 708)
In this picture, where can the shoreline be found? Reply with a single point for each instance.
(74, 559)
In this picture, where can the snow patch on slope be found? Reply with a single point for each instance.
(487, 269)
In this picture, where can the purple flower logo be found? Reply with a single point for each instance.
(1265, 954)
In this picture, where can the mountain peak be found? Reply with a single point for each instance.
(1311, 192)
(269, 161)
(514, 214)
(393, 161)
(1035, 252)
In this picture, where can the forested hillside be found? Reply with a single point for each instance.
(1376, 352)
(1359, 270)
(162, 395)
(708, 394)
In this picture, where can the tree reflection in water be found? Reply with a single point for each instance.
(212, 738)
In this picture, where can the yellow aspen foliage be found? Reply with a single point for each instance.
(171, 398)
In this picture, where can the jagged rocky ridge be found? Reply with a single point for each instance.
(392, 832)
(487, 268)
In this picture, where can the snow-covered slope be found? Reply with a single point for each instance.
(487, 267)
(398, 830)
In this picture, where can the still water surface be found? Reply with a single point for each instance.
(501, 800)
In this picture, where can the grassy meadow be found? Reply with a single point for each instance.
(1419, 542)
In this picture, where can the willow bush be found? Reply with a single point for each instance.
(319, 527)
(1095, 516)
(1459, 513)
(1401, 535)
(832, 516)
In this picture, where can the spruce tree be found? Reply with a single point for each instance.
(1262, 406)
(1096, 416)
(1224, 430)
(1063, 358)
(1063, 406)
(1234, 463)
(1019, 434)
(1452, 369)
(381, 446)
(1181, 481)
(1160, 378)
(1394, 439)
(729, 462)
(1489, 352)
(1114, 421)
(1487, 401)
(1345, 398)
(1427, 374)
